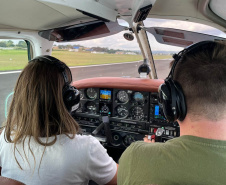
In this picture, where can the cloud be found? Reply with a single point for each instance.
(184, 25)
(117, 41)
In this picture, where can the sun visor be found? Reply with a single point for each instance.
(83, 31)
(179, 38)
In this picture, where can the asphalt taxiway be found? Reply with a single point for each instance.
(130, 69)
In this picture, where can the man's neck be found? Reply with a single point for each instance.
(203, 128)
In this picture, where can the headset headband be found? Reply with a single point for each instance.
(52, 60)
(71, 96)
(178, 57)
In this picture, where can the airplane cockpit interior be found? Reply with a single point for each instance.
(119, 53)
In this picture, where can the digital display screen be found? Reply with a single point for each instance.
(105, 94)
(158, 114)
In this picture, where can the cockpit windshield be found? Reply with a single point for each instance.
(110, 56)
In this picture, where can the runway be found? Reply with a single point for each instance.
(130, 69)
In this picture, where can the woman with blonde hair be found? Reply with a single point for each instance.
(39, 143)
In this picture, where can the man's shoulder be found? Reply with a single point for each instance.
(142, 157)
(142, 150)
(141, 145)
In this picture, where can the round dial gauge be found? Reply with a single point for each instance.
(137, 113)
(81, 95)
(105, 109)
(123, 96)
(138, 97)
(91, 93)
(91, 107)
(122, 111)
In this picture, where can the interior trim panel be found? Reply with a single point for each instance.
(136, 84)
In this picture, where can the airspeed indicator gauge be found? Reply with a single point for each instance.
(91, 93)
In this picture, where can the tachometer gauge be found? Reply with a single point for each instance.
(138, 97)
(122, 111)
(123, 96)
(137, 113)
(91, 107)
(91, 93)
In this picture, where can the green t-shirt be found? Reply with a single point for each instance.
(184, 160)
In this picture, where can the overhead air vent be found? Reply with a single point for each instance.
(142, 13)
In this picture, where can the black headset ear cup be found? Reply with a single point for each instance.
(181, 102)
(172, 100)
(165, 100)
(71, 97)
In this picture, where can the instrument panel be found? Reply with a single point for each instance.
(117, 103)
(132, 114)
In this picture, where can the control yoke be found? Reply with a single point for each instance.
(106, 125)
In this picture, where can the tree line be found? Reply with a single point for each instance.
(97, 49)
(10, 44)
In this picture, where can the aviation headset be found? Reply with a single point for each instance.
(71, 96)
(171, 96)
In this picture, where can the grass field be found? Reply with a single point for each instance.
(12, 59)
(17, 59)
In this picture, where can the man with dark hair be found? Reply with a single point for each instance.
(198, 156)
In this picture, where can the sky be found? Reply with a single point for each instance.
(117, 41)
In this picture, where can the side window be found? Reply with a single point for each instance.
(13, 58)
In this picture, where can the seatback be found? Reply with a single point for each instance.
(8, 181)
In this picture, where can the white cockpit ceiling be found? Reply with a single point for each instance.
(47, 14)
(34, 15)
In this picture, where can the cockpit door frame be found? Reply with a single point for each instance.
(145, 48)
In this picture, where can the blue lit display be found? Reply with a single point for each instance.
(158, 113)
(156, 110)
(105, 94)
